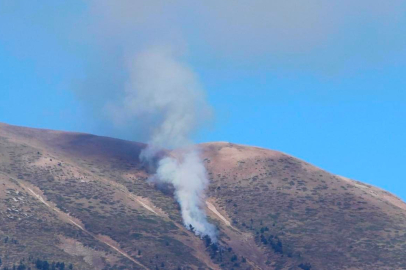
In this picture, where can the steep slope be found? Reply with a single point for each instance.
(85, 200)
(297, 210)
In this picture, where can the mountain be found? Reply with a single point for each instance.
(79, 201)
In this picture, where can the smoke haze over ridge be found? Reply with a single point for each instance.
(161, 96)
(165, 96)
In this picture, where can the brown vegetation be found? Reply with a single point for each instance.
(84, 200)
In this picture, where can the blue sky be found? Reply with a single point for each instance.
(324, 82)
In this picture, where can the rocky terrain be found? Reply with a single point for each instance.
(79, 201)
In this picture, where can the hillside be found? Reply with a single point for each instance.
(83, 202)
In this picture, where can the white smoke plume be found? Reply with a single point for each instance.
(165, 95)
(189, 178)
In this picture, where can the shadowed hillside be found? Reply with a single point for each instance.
(78, 201)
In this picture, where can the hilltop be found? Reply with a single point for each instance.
(84, 202)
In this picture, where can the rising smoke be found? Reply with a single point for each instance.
(188, 176)
(156, 96)
(164, 93)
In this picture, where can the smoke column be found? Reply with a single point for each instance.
(189, 178)
(164, 93)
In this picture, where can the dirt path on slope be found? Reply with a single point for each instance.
(217, 213)
(243, 243)
(213, 208)
(148, 205)
(77, 223)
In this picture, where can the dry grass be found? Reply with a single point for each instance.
(273, 211)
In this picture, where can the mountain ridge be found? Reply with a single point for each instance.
(272, 211)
